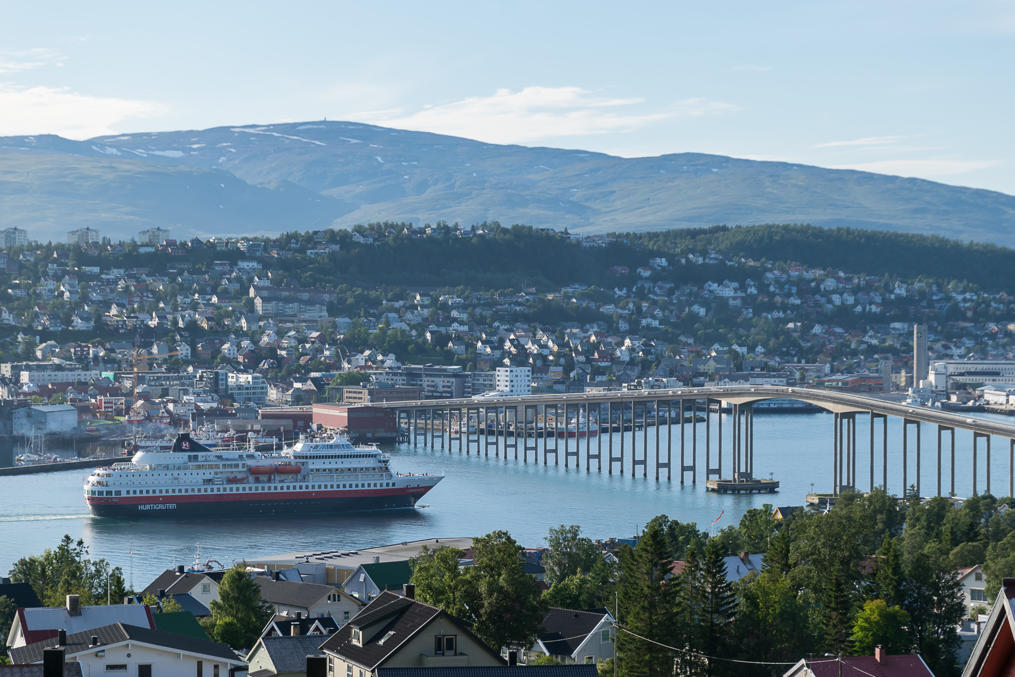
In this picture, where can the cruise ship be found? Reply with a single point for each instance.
(313, 476)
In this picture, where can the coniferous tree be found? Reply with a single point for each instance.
(713, 606)
(837, 616)
(648, 607)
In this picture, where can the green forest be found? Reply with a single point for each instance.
(871, 570)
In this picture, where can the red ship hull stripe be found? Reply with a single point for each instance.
(241, 497)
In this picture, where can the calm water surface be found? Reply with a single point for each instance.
(479, 495)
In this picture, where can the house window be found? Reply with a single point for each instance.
(978, 576)
(215, 670)
(357, 637)
(444, 645)
(348, 671)
(345, 616)
(977, 595)
(206, 587)
(590, 659)
(200, 669)
(604, 636)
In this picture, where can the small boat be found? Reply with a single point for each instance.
(262, 469)
(287, 469)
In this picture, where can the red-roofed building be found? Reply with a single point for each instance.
(878, 665)
(994, 652)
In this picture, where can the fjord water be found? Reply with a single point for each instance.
(480, 494)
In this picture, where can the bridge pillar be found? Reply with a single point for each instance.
(643, 461)
(588, 436)
(976, 438)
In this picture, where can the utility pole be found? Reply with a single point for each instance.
(616, 628)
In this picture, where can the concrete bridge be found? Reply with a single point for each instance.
(517, 424)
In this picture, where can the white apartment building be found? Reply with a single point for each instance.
(514, 380)
(953, 374)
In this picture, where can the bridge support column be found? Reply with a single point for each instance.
(941, 429)
(634, 439)
(621, 436)
(643, 461)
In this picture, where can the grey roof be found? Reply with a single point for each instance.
(294, 593)
(118, 632)
(71, 669)
(289, 654)
(581, 670)
(173, 583)
(563, 630)
(188, 603)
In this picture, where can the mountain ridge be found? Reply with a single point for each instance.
(306, 175)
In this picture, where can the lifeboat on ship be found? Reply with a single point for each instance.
(288, 469)
(236, 478)
(262, 469)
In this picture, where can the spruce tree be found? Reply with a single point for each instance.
(648, 607)
(712, 605)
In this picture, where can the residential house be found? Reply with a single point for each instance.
(136, 650)
(878, 665)
(993, 654)
(369, 580)
(572, 636)
(287, 626)
(398, 632)
(37, 624)
(310, 600)
(972, 585)
(284, 656)
(172, 582)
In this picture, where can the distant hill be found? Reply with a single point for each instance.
(271, 178)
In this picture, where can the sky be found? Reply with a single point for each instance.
(923, 89)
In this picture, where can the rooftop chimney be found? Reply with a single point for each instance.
(74, 605)
(299, 615)
(95, 640)
(52, 662)
(878, 653)
(127, 599)
(409, 591)
(179, 569)
(294, 629)
(377, 559)
(317, 666)
(512, 658)
(61, 637)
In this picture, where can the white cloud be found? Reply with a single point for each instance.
(866, 141)
(17, 61)
(48, 110)
(929, 168)
(535, 113)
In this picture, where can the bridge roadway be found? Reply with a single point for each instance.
(835, 402)
(845, 407)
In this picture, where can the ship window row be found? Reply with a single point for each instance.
(240, 490)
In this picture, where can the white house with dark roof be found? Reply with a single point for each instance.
(307, 600)
(133, 650)
(172, 582)
(572, 636)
